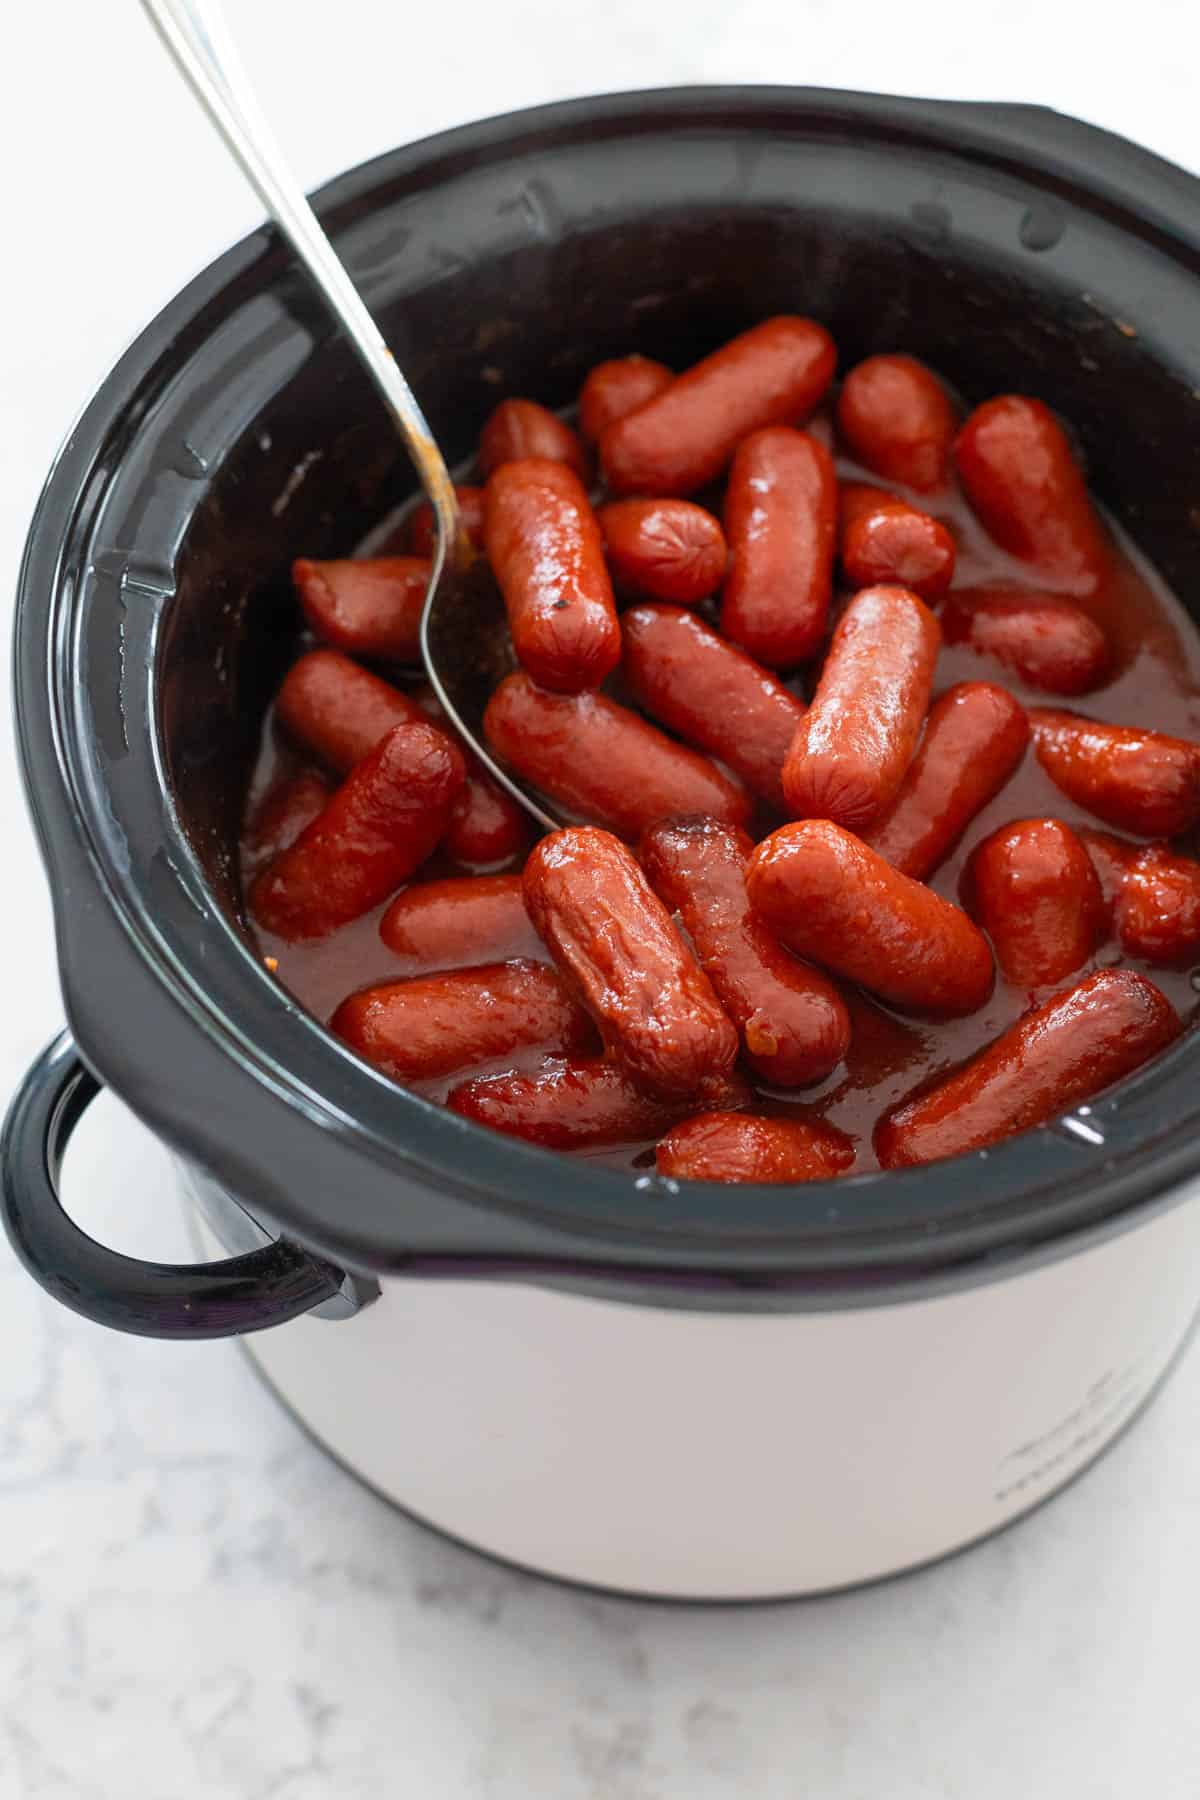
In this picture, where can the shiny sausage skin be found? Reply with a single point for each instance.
(1021, 477)
(380, 825)
(885, 540)
(602, 761)
(435, 1025)
(896, 418)
(1047, 642)
(974, 740)
(466, 919)
(1153, 895)
(577, 1104)
(682, 439)
(614, 389)
(792, 1020)
(858, 737)
(830, 898)
(710, 693)
(617, 945)
(1032, 888)
(369, 607)
(1138, 781)
(339, 711)
(1059, 1054)
(281, 815)
(781, 522)
(736, 1146)
(542, 540)
(420, 534)
(663, 549)
(519, 429)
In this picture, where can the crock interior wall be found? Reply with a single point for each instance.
(532, 321)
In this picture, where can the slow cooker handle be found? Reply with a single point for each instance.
(164, 1300)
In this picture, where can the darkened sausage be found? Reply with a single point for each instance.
(281, 815)
(773, 374)
(545, 548)
(781, 523)
(1138, 781)
(1033, 889)
(1061, 1053)
(974, 739)
(853, 746)
(710, 693)
(380, 825)
(830, 898)
(735, 1146)
(616, 943)
(896, 418)
(602, 761)
(339, 711)
(434, 1025)
(1024, 484)
(793, 1022)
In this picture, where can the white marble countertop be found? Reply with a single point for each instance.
(194, 1604)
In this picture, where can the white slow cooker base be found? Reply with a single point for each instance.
(734, 1456)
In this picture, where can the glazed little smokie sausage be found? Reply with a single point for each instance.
(1048, 642)
(339, 711)
(711, 694)
(1138, 781)
(546, 552)
(833, 900)
(616, 388)
(614, 940)
(1153, 896)
(1061, 1053)
(663, 549)
(852, 748)
(793, 1022)
(781, 523)
(282, 814)
(1032, 888)
(368, 607)
(975, 737)
(736, 1146)
(897, 419)
(518, 429)
(773, 374)
(885, 540)
(1021, 477)
(601, 761)
(420, 533)
(380, 825)
(434, 1025)
(453, 923)
(580, 1103)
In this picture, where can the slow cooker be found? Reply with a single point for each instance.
(666, 1389)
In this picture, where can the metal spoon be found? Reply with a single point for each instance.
(463, 651)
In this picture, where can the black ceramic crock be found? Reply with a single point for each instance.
(998, 242)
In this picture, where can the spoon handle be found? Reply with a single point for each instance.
(193, 32)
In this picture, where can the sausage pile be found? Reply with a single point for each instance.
(789, 655)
